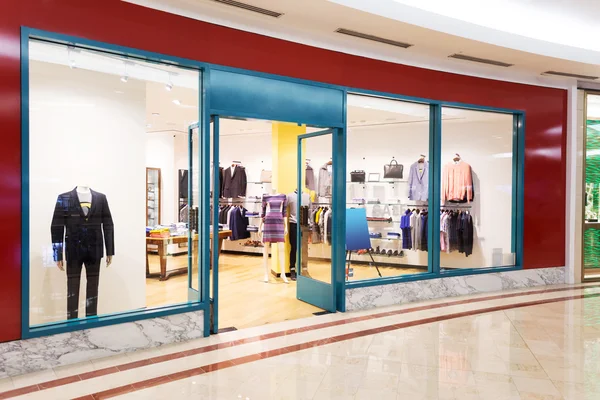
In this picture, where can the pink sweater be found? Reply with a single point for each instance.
(457, 182)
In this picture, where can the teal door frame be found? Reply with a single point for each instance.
(309, 290)
(193, 294)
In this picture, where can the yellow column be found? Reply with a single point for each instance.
(284, 141)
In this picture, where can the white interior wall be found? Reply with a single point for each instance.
(82, 133)
(160, 153)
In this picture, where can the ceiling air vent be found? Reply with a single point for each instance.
(249, 7)
(568, 75)
(480, 60)
(373, 38)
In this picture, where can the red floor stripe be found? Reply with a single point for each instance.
(238, 342)
(348, 336)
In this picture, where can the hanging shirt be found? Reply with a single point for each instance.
(85, 201)
(457, 182)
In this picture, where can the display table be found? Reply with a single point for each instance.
(162, 244)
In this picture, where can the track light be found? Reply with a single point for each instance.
(70, 56)
(169, 85)
(125, 76)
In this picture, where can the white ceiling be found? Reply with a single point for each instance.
(554, 28)
(535, 19)
(313, 22)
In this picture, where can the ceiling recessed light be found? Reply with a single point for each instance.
(156, 114)
(124, 78)
(176, 102)
(119, 92)
(169, 87)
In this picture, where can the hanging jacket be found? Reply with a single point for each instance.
(234, 183)
(418, 181)
(239, 224)
(310, 178)
(324, 182)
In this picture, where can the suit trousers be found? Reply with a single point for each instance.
(293, 236)
(92, 274)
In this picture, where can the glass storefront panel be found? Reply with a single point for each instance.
(477, 193)
(109, 209)
(388, 176)
(591, 226)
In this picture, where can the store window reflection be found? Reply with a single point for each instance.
(476, 220)
(591, 233)
(108, 155)
(388, 177)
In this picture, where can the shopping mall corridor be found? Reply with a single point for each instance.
(516, 345)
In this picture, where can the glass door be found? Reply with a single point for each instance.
(316, 232)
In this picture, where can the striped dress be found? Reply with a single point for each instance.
(273, 212)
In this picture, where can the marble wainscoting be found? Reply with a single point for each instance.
(398, 293)
(24, 356)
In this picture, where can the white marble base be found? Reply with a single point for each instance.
(23, 356)
(398, 293)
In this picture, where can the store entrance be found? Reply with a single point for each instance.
(262, 267)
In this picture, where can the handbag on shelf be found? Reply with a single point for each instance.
(393, 170)
(266, 176)
(358, 176)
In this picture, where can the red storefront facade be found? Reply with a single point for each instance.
(123, 24)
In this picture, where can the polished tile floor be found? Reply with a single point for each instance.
(539, 343)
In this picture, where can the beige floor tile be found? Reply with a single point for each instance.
(579, 391)
(537, 386)
(33, 378)
(6, 384)
(74, 369)
(379, 394)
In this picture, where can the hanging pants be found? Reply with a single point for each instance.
(293, 236)
(92, 274)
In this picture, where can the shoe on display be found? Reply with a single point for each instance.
(395, 253)
(377, 251)
(389, 253)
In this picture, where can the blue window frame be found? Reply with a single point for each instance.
(205, 170)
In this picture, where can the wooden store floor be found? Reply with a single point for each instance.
(244, 300)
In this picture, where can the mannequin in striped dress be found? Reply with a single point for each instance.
(273, 229)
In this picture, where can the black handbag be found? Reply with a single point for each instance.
(358, 176)
(393, 170)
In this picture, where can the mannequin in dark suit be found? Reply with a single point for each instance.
(83, 243)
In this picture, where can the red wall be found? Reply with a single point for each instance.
(115, 22)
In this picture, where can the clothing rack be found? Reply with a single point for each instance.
(457, 206)
(238, 203)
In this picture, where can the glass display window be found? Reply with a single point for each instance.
(388, 164)
(108, 136)
(477, 227)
